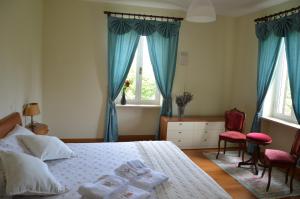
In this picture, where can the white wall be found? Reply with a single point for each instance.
(20, 54)
(75, 69)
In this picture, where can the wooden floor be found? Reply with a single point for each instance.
(229, 184)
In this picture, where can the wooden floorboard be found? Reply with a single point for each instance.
(229, 184)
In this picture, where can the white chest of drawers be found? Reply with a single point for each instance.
(192, 133)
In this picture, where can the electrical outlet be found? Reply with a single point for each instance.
(184, 58)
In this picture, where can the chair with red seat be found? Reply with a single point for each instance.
(282, 159)
(234, 125)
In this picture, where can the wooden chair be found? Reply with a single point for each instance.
(234, 125)
(282, 159)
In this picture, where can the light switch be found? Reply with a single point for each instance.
(184, 58)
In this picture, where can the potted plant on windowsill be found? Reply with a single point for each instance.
(125, 86)
(182, 101)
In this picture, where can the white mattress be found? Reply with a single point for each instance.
(187, 181)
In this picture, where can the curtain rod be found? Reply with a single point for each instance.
(279, 14)
(142, 15)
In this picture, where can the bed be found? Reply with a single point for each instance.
(186, 180)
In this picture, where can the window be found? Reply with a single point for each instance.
(143, 89)
(278, 101)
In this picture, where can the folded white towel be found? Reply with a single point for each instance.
(130, 193)
(134, 193)
(146, 181)
(149, 180)
(138, 166)
(106, 187)
(126, 171)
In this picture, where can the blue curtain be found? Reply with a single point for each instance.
(267, 57)
(121, 49)
(163, 56)
(292, 42)
(123, 37)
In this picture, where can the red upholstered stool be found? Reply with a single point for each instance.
(258, 139)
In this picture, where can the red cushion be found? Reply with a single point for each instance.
(279, 157)
(233, 135)
(259, 138)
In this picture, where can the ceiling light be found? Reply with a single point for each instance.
(201, 11)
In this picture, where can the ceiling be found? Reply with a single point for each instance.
(223, 7)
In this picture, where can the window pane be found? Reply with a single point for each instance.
(143, 87)
(131, 91)
(285, 105)
(148, 88)
(281, 93)
(288, 106)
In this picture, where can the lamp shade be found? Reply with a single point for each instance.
(201, 11)
(31, 109)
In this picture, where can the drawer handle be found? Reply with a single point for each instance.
(205, 140)
(179, 132)
(180, 123)
(179, 140)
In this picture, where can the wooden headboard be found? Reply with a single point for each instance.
(8, 123)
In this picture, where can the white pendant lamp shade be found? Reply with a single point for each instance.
(201, 11)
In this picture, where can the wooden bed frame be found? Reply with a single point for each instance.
(8, 123)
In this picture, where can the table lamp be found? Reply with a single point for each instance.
(31, 110)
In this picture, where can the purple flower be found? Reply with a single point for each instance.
(184, 99)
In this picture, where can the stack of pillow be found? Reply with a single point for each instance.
(22, 170)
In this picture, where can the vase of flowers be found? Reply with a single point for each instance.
(125, 86)
(182, 101)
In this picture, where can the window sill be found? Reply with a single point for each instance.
(279, 121)
(138, 106)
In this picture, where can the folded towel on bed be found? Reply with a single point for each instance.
(134, 193)
(111, 187)
(106, 187)
(138, 167)
(147, 181)
(130, 193)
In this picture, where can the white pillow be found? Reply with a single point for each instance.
(11, 140)
(46, 147)
(28, 175)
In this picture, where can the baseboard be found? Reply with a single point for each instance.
(82, 140)
(215, 149)
(129, 138)
(122, 138)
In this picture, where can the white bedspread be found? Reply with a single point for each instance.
(187, 181)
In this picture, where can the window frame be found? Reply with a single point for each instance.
(138, 76)
(277, 92)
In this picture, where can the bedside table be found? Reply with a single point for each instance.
(39, 128)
